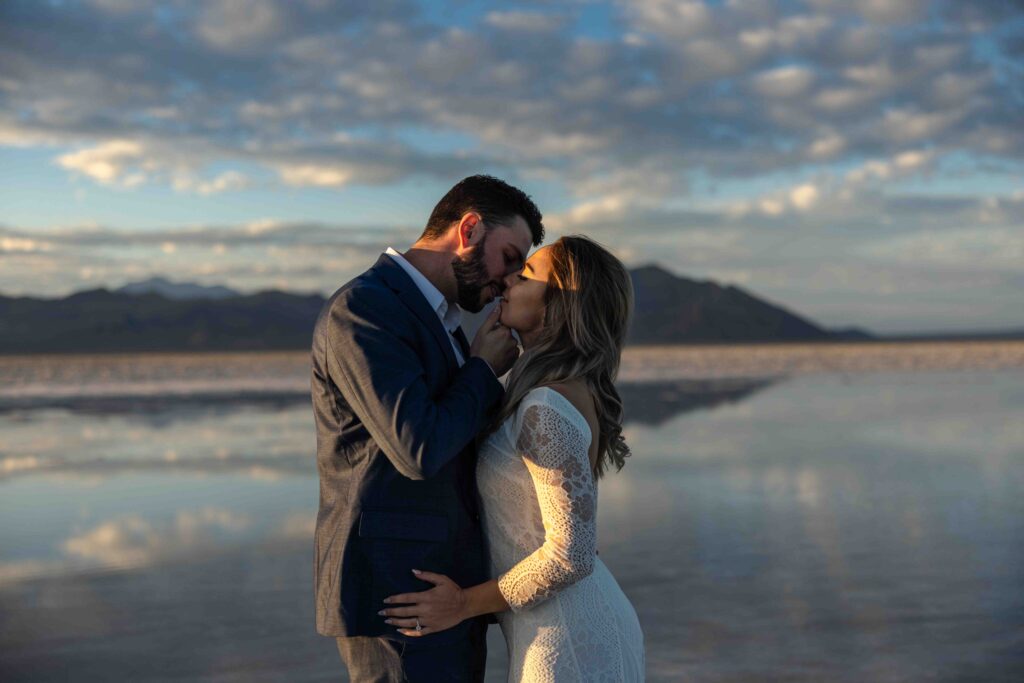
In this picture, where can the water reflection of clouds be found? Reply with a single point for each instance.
(134, 541)
(824, 497)
(60, 440)
(266, 468)
(805, 523)
(994, 435)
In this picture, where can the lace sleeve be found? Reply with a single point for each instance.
(555, 452)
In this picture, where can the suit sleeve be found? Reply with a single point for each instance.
(371, 354)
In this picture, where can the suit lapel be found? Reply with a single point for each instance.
(399, 281)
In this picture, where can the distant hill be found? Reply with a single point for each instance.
(676, 309)
(100, 320)
(177, 290)
(159, 315)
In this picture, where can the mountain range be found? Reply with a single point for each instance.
(160, 315)
(179, 291)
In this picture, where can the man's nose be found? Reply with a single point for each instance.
(509, 280)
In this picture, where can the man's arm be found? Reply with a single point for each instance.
(371, 357)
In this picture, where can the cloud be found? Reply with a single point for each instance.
(229, 180)
(996, 248)
(138, 104)
(827, 146)
(299, 256)
(532, 22)
(909, 125)
(887, 11)
(803, 196)
(678, 19)
(23, 244)
(106, 163)
(231, 25)
(785, 81)
(900, 166)
(316, 175)
(767, 120)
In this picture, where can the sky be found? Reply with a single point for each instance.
(859, 162)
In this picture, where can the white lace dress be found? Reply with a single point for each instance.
(569, 620)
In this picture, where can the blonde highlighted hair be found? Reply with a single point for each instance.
(588, 307)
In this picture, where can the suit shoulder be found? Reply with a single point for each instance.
(365, 293)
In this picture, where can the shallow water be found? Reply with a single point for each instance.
(840, 527)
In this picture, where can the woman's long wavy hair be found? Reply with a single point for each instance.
(588, 306)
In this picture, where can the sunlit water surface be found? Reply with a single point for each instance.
(857, 527)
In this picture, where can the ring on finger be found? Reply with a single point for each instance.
(419, 626)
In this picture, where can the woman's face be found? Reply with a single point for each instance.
(523, 307)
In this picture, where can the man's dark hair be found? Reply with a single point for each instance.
(495, 200)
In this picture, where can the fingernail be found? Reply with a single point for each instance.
(417, 572)
(387, 601)
(387, 621)
(381, 613)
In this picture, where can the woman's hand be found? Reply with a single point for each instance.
(437, 609)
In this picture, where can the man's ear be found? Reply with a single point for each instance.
(470, 230)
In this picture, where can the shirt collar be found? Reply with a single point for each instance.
(450, 315)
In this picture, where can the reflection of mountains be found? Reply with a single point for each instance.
(654, 403)
(158, 409)
(648, 403)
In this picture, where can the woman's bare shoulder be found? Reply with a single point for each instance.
(579, 395)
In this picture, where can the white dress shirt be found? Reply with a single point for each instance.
(449, 315)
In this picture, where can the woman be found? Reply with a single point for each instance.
(559, 427)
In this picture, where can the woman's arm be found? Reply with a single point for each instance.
(555, 451)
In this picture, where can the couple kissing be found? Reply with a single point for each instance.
(450, 498)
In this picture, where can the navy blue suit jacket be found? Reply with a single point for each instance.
(396, 419)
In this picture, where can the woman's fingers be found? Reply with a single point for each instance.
(436, 579)
(411, 611)
(407, 627)
(414, 633)
(431, 577)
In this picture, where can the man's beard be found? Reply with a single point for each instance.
(471, 278)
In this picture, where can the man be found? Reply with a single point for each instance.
(398, 397)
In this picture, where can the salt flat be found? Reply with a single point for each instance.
(770, 360)
(287, 372)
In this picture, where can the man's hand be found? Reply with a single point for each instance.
(437, 609)
(494, 343)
